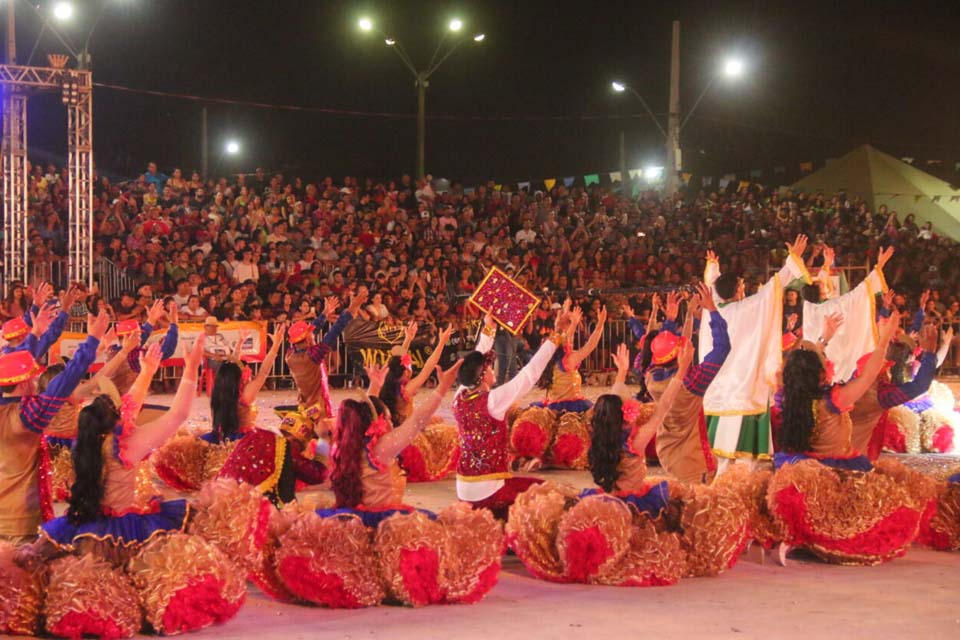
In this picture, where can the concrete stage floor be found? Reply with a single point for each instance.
(915, 596)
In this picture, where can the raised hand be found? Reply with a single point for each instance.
(43, 320)
(884, 257)
(888, 298)
(444, 336)
(377, 374)
(173, 312)
(831, 324)
(889, 328)
(602, 316)
(792, 321)
(131, 341)
(276, 338)
(685, 357)
(673, 306)
(358, 300)
(155, 312)
(928, 338)
(410, 331)
(706, 297)
(97, 327)
(711, 256)
(330, 305)
(924, 298)
(43, 293)
(150, 359)
(829, 257)
(799, 245)
(70, 297)
(446, 378)
(191, 360)
(489, 322)
(621, 358)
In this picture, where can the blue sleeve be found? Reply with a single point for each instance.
(671, 326)
(700, 376)
(917, 323)
(921, 381)
(64, 384)
(883, 312)
(29, 315)
(52, 334)
(636, 327)
(146, 329)
(170, 342)
(330, 337)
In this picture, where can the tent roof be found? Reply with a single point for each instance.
(881, 179)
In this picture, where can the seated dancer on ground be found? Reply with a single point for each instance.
(632, 531)
(25, 417)
(868, 412)
(737, 404)
(129, 543)
(554, 430)
(41, 327)
(483, 475)
(682, 444)
(370, 547)
(864, 517)
(307, 362)
(433, 453)
(125, 375)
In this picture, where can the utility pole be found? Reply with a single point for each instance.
(422, 85)
(204, 149)
(673, 123)
(624, 175)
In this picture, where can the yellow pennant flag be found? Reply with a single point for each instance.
(743, 185)
(497, 187)
(549, 182)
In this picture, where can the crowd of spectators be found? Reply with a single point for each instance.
(269, 246)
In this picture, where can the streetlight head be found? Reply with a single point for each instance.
(619, 87)
(652, 174)
(365, 24)
(233, 147)
(733, 68)
(456, 24)
(63, 11)
(480, 37)
(390, 42)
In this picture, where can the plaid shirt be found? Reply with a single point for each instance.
(37, 411)
(893, 395)
(700, 376)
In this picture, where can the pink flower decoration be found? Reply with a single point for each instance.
(631, 411)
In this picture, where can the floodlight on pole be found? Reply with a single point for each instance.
(733, 68)
(233, 147)
(63, 11)
(480, 37)
(389, 42)
(619, 87)
(456, 24)
(365, 24)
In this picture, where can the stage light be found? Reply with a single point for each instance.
(365, 24)
(479, 37)
(390, 42)
(456, 24)
(619, 87)
(62, 11)
(233, 147)
(652, 173)
(733, 68)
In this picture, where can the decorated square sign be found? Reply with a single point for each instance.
(504, 299)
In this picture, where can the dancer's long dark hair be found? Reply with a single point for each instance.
(353, 420)
(224, 399)
(392, 388)
(96, 422)
(902, 369)
(801, 387)
(606, 441)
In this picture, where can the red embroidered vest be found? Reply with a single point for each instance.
(484, 441)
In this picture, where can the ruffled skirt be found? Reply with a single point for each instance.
(130, 530)
(433, 454)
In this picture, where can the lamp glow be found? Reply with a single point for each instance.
(652, 173)
(480, 37)
(233, 147)
(619, 87)
(390, 42)
(63, 11)
(733, 68)
(365, 24)
(456, 24)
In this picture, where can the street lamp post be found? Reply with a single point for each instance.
(421, 77)
(732, 68)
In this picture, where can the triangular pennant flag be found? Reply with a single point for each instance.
(637, 172)
(743, 185)
(907, 160)
(498, 187)
(615, 176)
(686, 178)
(806, 166)
(723, 183)
(568, 181)
(756, 173)
(706, 181)
(593, 178)
(779, 169)
(523, 186)
(549, 182)
(917, 198)
(936, 198)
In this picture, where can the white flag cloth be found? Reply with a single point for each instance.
(857, 335)
(748, 377)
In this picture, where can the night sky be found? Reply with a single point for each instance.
(820, 80)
